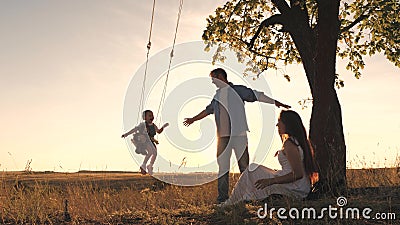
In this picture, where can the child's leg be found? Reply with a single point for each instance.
(146, 159)
(150, 152)
(143, 166)
(153, 156)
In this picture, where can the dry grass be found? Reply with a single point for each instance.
(129, 198)
(373, 177)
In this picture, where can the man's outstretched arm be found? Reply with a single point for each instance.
(261, 97)
(250, 95)
(199, 116)
(280, 104)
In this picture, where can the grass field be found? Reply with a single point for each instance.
(130, 198)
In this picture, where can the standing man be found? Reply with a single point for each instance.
(230, 118)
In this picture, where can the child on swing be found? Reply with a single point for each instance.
(146, 144)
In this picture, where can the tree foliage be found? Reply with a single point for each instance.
(258, 30)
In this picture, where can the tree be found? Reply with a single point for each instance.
(312, 32)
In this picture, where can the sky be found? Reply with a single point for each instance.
(66, 66)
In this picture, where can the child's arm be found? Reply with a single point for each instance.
(135, 129)
(162, 128)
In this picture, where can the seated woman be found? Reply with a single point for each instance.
(296, 159)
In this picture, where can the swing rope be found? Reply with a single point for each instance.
(170, 60)
(141, 102)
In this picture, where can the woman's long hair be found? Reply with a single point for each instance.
(294, 127)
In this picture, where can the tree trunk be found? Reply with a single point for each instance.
(326, 129)
(326, 135)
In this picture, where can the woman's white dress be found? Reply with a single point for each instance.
(245, 187)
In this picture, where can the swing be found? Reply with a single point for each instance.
(140, 138)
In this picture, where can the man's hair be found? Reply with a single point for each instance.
(220, 71)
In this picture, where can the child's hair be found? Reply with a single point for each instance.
(145, 112)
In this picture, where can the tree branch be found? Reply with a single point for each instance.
(255, 52)
(275, 19)
(299, 9)
(355, 22)
(294, 3)
(259, 54)
(233, 11)
(368, 8)
(282, 6)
